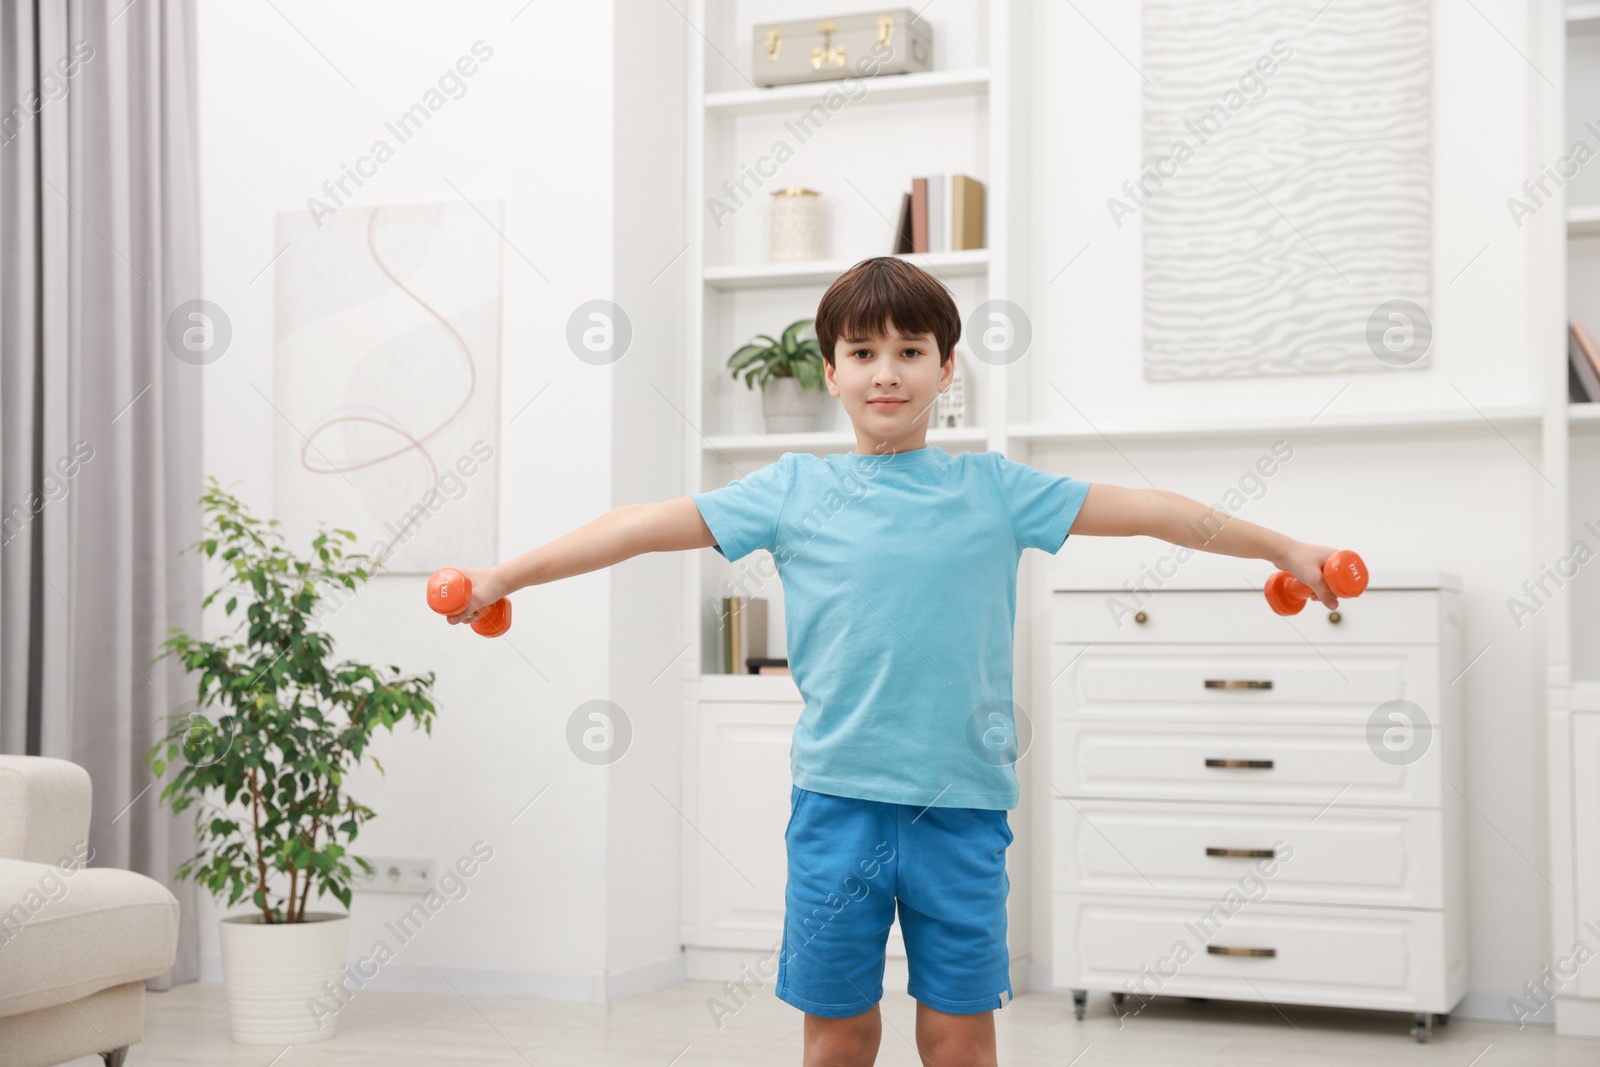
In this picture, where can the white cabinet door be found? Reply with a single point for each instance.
(738, 864)
(734, 831)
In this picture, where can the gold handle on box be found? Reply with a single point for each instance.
(774, 42)
(1238, 683)
(1243, 853)
(1229, 950)
(885, 29)
(829, 53)
(1257, 764)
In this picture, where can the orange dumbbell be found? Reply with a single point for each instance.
(449, 591)
(1344, 572)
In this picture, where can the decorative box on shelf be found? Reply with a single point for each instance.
(809, 50)
(1255, 807)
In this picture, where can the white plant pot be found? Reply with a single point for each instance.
(789, 408)
(275, 974)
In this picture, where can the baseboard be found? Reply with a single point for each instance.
(541, 985)
(1489, 1006)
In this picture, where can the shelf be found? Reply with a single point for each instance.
(1586, 414)
(1583, 221)
(829, 441)
(1583, 18)
(970, 263)
(1378, 422)
(882, 89)
(758, 688)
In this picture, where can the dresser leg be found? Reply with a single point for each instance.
(1080, 1001)
(1422, 1025)
(1116, 1000)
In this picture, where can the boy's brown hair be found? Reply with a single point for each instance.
(865, 299)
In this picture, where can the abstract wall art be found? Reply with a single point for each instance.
(1284, 191)
(387, 380)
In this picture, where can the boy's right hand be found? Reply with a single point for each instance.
(1305, 563)
(487, 587)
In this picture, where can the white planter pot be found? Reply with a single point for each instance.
(275, 974)
(789, 408)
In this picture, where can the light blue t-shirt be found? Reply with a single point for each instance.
(899, 574)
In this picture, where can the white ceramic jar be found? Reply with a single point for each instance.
(796, 225)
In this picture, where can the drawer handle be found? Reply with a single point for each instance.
(1229, 950)
(1238, 683)
(1261, 764)
(1244, 853)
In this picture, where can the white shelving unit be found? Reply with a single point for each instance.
(963, 117)
(1569, 257)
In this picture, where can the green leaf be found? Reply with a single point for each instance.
(791, 332)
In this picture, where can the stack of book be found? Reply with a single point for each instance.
(1583, 366)
(941, 213)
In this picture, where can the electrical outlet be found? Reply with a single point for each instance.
(395, 874)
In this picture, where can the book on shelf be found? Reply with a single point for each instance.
(966, 213)
(902, 232)
(942, 213)
(744, 631)
(1583, 366)
(919, 214)
(763, 665)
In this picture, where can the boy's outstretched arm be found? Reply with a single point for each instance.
(619, 534)
(1117, 511)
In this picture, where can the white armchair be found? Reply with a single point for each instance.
(76, 942)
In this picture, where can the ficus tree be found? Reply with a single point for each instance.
(291, 723)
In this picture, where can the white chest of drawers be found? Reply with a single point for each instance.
(1252, 807)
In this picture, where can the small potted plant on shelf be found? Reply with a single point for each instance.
(789, 370)
(293, 726)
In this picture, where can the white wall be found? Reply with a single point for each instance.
(1467, 501)
(537, 130)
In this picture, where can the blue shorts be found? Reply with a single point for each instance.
(850, 860)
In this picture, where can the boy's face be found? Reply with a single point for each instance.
(894, 367)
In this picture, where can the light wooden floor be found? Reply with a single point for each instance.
(672, 1028)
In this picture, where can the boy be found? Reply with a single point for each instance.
(899, 565)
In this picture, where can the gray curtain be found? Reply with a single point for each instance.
(99, 421)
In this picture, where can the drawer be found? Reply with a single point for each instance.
(1230, 683)
(1344, 957)
(1369, 856)
(1253, 764)
(1377, 617)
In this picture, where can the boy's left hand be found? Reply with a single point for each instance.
(1305, 563)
